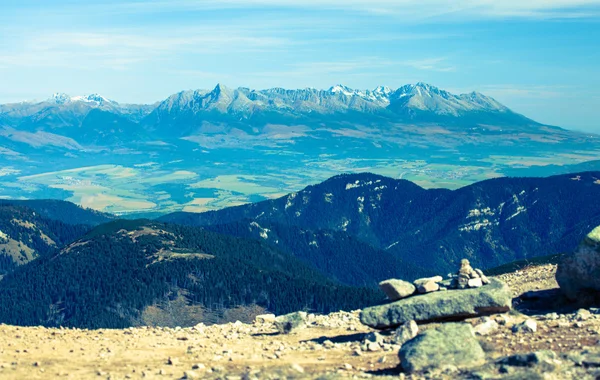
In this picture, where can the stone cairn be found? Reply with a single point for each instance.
(465, 278)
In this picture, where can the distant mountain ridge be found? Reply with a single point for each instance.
(490, 222)
(406, 100)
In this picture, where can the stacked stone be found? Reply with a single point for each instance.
(467, 277)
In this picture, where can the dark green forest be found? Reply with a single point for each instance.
(109, 279)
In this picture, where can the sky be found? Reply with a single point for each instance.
(538, 57)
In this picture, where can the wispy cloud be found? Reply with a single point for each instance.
(120, 49)
(417, 9)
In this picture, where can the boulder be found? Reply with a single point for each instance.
(290, 322)
(422, 281)
(441, 306)
(397, 289)
(265, 318)
(405, 333)
(450, 344)
(428, 287)
(577, 273)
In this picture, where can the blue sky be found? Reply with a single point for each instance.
(539, 57)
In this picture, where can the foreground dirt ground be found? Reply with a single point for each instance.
(331, 347)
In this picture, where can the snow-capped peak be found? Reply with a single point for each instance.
(62, 98)
(59, 98)
(382, 90)
(342, 89)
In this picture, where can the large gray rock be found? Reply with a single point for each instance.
(439, 306)
(578, 274)
(292, 322)
(397, 289)
(450, 344)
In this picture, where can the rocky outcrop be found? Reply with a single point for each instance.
(397, 289)
(578, 273)
(439, 306)
(451, 344)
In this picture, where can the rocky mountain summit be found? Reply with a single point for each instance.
(535, 340)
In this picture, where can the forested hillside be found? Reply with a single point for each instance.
(26, 235)
(109, 277)
(336, 254)
(63, 211)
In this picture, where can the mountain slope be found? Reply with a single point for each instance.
(490, 222)
(114, 274)
(26, 235)
(335, 254)
(63, 211)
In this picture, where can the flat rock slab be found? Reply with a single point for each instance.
(441, 306)
(449, 344)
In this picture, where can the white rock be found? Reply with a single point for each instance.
(475, 283)
(265, 318)
(486, 326)
(528, 326)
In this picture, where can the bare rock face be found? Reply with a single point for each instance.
(449, 344)
(397, 289)
(441, 306)
(578, 274)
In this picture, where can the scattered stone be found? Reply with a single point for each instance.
(493, 298)
(199, 366)
(486, 326)
(290, 322)
(373, 337)
(405, 332)
(545, 359)
(296, 367)
(373, 347)
(483, 277)
(172, 361)
(191, 375)
(448, 344)
(265, 318)
(582, 315)
(527, 326)
(577, 273)
(397, 289)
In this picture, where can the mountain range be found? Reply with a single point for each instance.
(407, 100)
(203, 150)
